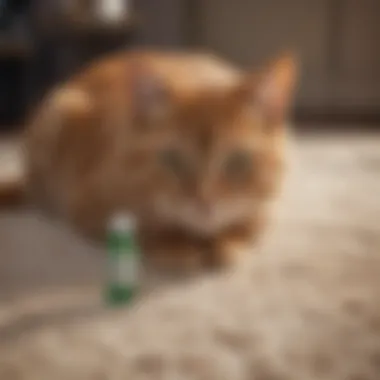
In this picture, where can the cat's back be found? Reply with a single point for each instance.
(106, 86)
(184, 73)
(87, 102)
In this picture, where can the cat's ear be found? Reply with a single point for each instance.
(151, 99)
(274, 88)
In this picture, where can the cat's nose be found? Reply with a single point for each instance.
(203, 200)
(204, 206)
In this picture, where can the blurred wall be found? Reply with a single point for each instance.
(162, 22)
(337, 41)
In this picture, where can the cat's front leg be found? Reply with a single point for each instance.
(171, 251)
(230, 246)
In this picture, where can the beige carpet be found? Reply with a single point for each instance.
(307, 307)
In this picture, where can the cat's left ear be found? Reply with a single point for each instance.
(275, 87)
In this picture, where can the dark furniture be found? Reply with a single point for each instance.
(38, 49)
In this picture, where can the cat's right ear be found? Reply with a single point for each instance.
(271, 92)
(151, 101)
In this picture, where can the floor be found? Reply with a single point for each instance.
(36, 254)
(318, 278)
(39, 256)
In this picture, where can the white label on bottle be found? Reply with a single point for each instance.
(124, 269)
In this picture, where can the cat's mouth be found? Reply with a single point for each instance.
(200, 217)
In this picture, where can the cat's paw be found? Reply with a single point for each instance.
(235, 245)
(174, 261)
(228, 254)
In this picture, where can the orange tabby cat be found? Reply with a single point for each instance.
(188, 143)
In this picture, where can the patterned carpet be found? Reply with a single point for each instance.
(306, 307)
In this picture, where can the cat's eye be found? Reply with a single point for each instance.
(237, 163)
(173, 160)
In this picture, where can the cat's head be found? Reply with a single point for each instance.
(219, 154)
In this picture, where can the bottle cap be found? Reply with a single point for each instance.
(122, 222)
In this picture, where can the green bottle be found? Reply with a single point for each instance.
(123, 260)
